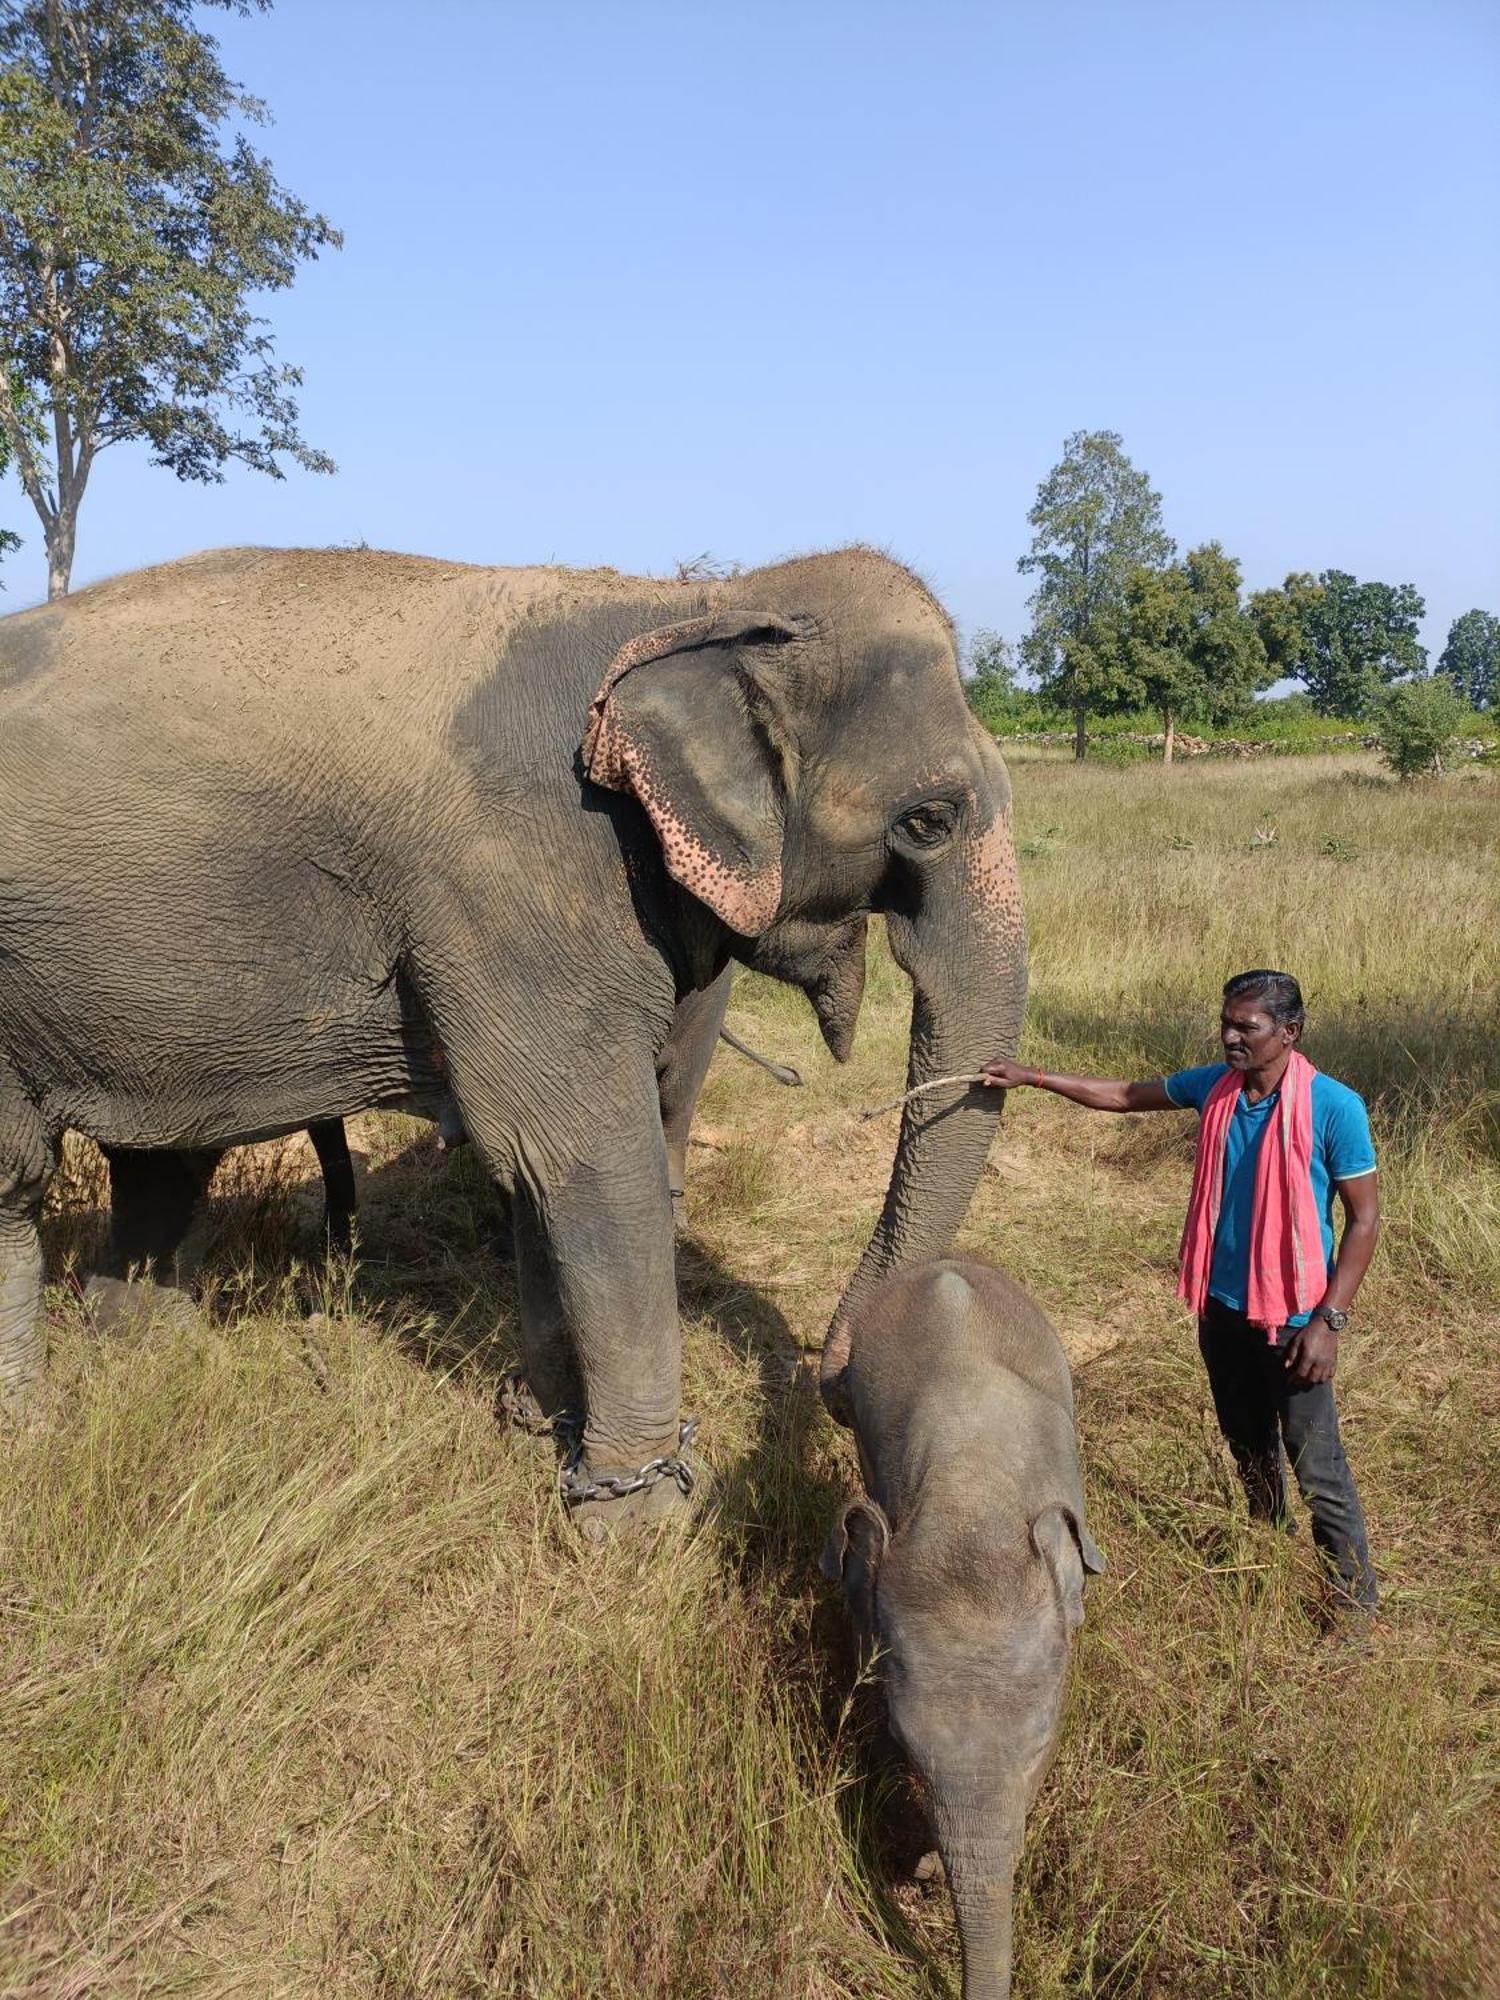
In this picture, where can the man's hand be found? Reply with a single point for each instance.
(1312, 1354)
(1003, 1074)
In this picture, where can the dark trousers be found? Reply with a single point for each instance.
(1257, 1408)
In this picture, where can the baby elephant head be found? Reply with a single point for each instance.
(973, 1635)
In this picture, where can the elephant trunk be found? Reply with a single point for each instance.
(981, 1872)
(968, 970)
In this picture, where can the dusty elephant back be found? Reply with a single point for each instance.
(248, 625)
(219, 784)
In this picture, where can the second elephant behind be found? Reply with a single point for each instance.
(156, 1197)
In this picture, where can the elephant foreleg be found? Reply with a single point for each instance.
(551, 1367)
(558, 1091)
(599, 1292)
(27, 1162)
(681, 1069)
(612, 1250)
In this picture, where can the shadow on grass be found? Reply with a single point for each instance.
(777, 1500)
(432, 1267)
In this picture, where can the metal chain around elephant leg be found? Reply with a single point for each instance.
(519, 1407)
(576, 1488)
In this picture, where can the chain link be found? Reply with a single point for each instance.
(520, 1408)
(576, 1490)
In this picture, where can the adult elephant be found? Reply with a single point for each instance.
(275, 824)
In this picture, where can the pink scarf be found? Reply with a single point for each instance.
(1288, 1273)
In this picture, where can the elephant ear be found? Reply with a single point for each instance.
(852, 1556)
(678, 724)
(1065, 1546)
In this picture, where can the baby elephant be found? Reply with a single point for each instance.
(967, 1563)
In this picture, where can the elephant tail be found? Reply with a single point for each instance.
(783, 1072)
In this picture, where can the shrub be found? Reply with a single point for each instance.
(1417, 722)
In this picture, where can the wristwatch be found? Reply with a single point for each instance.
(1336, 1319)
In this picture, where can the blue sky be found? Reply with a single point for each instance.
(627, 282)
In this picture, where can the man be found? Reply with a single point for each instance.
(1277, 1141)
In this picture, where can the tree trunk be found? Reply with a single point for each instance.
(61, 536)
(1170, 725)
(1080, 734)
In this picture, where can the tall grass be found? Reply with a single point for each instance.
(305, 1687)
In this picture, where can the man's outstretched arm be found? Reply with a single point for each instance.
(1097, 1093)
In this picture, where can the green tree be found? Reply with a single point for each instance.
(1471, 658)
(1186, 644)
(1416, 722)
(1280, 620)
(1096, 519)
(991, 680)
(136, 225)
(1356, 639)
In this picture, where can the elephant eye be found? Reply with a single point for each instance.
(927, 826)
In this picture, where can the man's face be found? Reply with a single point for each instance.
(1250, 1037)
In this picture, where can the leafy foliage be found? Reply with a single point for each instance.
(1224, 646)
(1354, 640)
(1184, 642)
(990, 684)
(1280, 617)
(8, 539)
(1417, 722)
(1096, 520)
(1471, 658)
(136, 225)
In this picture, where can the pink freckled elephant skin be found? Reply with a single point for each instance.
(745, 897)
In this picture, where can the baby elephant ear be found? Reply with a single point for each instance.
(678, 723)
(1064, 1545)
(852, 1555)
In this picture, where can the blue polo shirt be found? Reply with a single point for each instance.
(1342, 1150)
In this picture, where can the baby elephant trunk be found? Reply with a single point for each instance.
(980, 1858)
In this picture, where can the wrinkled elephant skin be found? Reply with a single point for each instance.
(154, 1196)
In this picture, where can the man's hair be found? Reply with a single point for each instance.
(1277, 992)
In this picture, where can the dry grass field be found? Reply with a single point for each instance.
(307, 1689)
